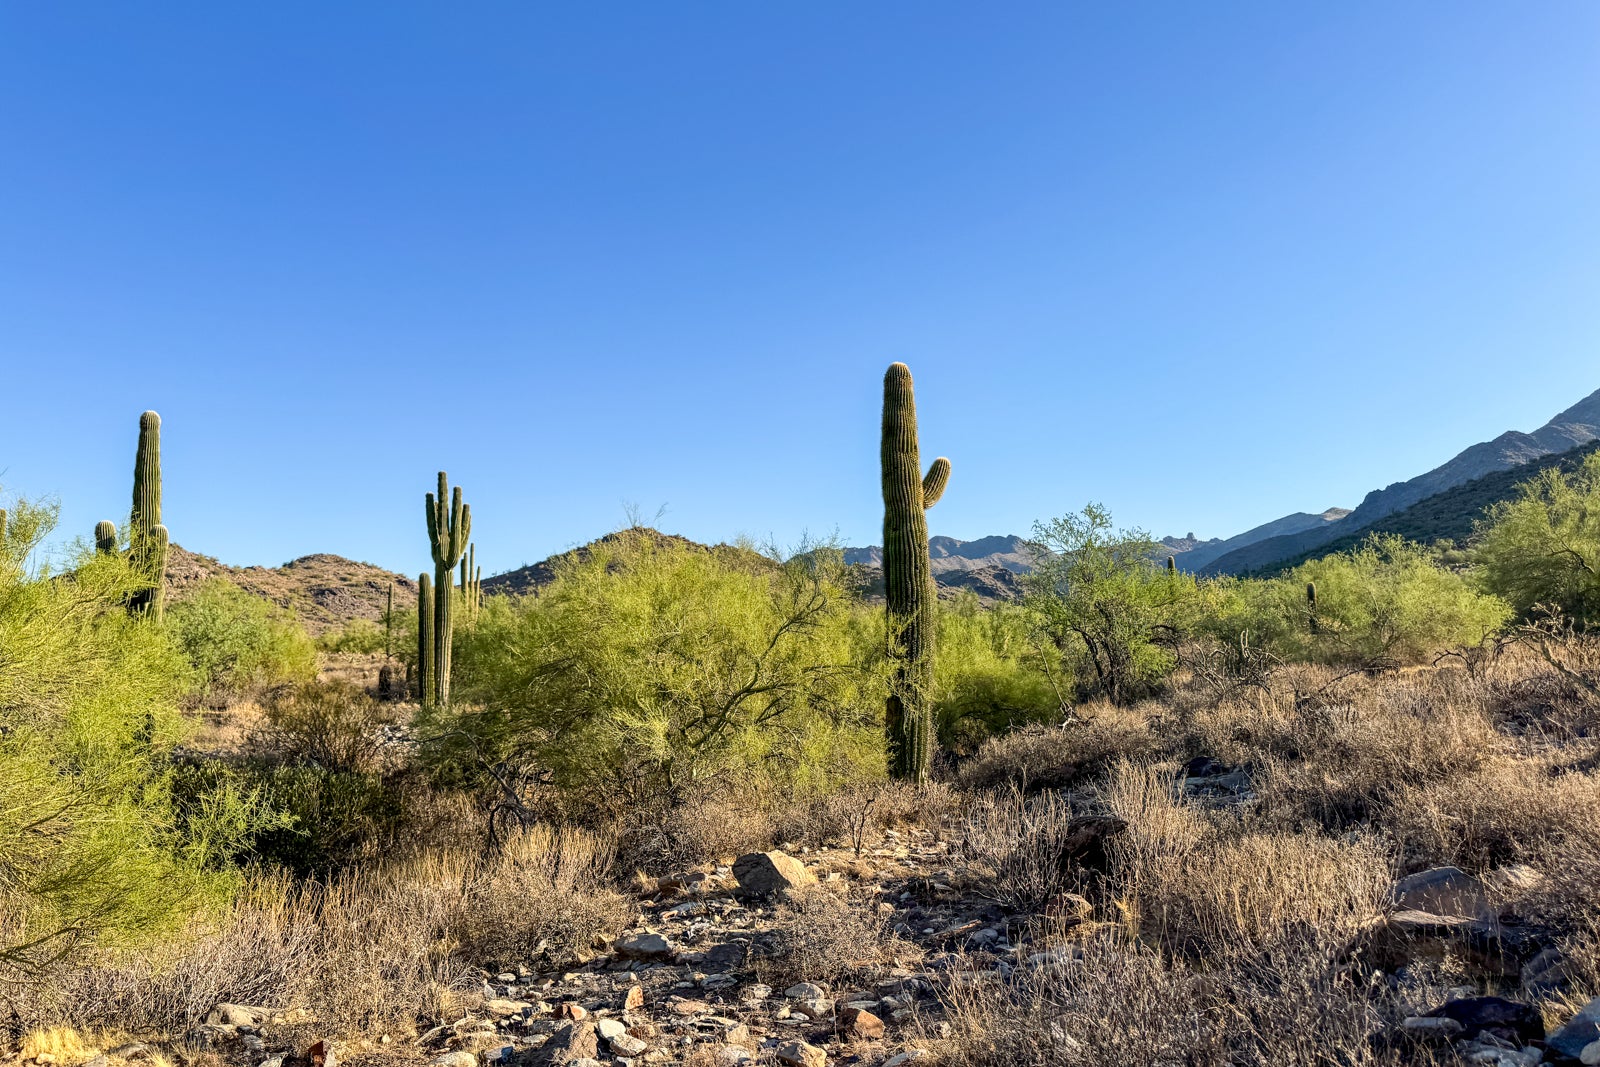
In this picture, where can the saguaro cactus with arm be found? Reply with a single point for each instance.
(908, 579)
(449, 528)
(147, 537)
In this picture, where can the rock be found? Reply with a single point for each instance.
(1085, 842)
(1068, 908)
(1407, 937)
(505, 1008)
(456, 1059)
(573, 1010)
(1427, 1026)
(626, 1045)
(1443, 891)
(805, 991)
(570, 1044)
(633, 999)
(814, 1007)
(761, 874)
(236, 1015)
(1579, 1032)
(800, 1054)
(1546, 973)
(1205, 767)
(643, 947)
(1590, 1054)
(731, 1056)
(860, 1023)
(910, 1055)
(610, 1028)
(1508, 1020)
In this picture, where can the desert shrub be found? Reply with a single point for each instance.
(990, 675)
(817, 935)
(1105, 603)
(362, 636)
(1543, 546)
(1055, 757)
(365, 952)
(333, 724)
(91, 852)
(1384, 603)
(1016, 847)
(236, 642)
(1108, 1002)
(857, 815)
(649, 670)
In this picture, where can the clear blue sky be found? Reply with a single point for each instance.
(1206, 263)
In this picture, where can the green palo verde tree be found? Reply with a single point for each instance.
(908, 580)
(449, 528)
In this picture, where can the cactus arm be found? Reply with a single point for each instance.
(934, 483)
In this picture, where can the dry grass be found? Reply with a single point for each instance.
(817, 935)
(369, 953)
(1058, 757)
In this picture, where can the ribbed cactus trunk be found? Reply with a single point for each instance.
(147, 537)
(1311, 607)
(908, 580)
(425, 639)
(449, 528)
(105, 537)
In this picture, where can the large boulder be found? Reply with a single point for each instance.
(1580, 1033)
(643, 947)
(762, 874)
(1443, 891)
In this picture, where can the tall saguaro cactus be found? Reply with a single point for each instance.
(1311, 607)
(425, 646)
(449, 528)
(908, 579)
(147, 537)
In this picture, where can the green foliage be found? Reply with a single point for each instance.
(1105, 604)
(908, 579)
(361, 636)
(991, 675)
(235, 642)
(1543, 547)
(649, 669)
(1386, 602)
(91, 850)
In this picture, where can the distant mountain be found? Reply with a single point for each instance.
(946, 554)
(1574, 427)
(531, 577)
(1450, 515)
(1204, 552)
(324, 591)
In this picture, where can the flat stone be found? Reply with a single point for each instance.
(643, 947)
(1495, 1015)
(1443, 891)
(456, 1059)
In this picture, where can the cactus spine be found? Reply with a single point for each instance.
(1311, 607)
(449, 527)
(105, 537)
(908, 579)
(147, 537)
(425, 646)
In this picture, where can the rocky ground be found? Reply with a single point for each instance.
(689, 981)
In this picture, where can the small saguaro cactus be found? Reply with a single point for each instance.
(105, 537)
(1172, 567)
(449, 528)
(148, 549)
(1311, 607)
(908, 579)
(388, 625)
(425, 645)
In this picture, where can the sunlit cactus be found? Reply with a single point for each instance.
(449, 529)
(908, 579)
(147, 548)
(1172, 566)
(105, 537)
(425, 644)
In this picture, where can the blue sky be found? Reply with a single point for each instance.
(1204, 263)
